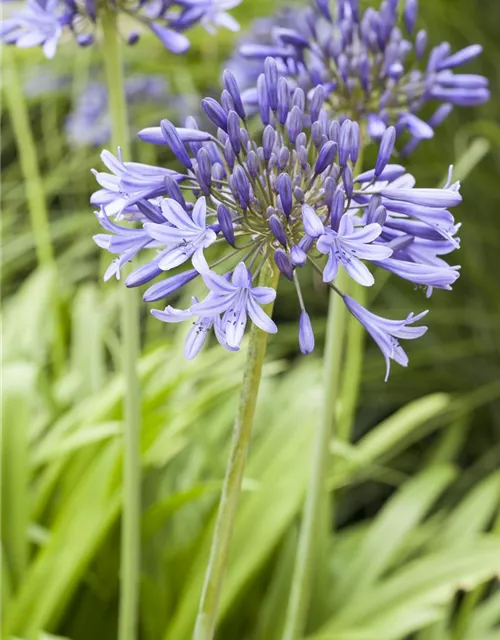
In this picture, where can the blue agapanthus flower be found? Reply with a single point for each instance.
(370, 64)
(42, 22)
(289, 194)
(89, 123)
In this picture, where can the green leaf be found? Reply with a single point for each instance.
(415, 596)
(389, 530)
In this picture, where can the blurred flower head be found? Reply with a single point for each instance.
(43, 22)
(372, 65)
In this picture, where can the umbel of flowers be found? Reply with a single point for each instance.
(291, 195)
(44, 22)
(375, 66)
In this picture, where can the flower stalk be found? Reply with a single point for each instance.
(35, 193)
(316, 491)
(130, 532)
(207, 612)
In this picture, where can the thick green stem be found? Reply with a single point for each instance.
(209, 603)
(35, 194)
(351, 378)
(130, 532)
(298, 604)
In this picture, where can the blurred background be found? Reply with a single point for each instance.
(417, 494)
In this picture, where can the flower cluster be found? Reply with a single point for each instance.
(370, 66)
(89, 122)
(43, 22)
(290, 195)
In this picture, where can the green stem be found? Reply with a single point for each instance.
(35, 191)
(209, 603)
(35, 194)
(300, 595)
(130, 531)
(351, 378)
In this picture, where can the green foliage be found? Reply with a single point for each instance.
(414, 551)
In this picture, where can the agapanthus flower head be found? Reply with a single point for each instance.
(371, 64)
(42, 22)
(289, 195)
(89, 123)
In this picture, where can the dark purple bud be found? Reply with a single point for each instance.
(229, 154)
(242, 185)
(364, 72)
(290, 36)
(252, 164)
(151, 211)
(268, 140)
(306, 334)
(173, 191)
(204, 166)
(294, 123)
(355, 9)
(233, 131)
(175, 42)
(343, 67)
(263, 99)
(141, 275)
(133, 38)
(283, 263)
(417, 127)
(316, 134)
(298, 194)
(420, 44)
(168, 286)
(277, 228)
(334, 131)
(303, 157)
(461, 97)
(91, 9)
(373, 205)
(283, 100)
(86, 39)
(215, 112)
(325, 157)
(175, 143)
(410, 14)
(298, 256)
(231, 85)
(245, 139)
(317, 100)
(284, 185)
(337, 209)
(330, 186)
(301, 140)
(355, 142)
(218, 172)
(385, 150)
(440, 115)
(345, 142)
(283, 158)
(348, 181)
(225, 220)
(226, 101)
(299, 99)
(460, 57)
(271, 75)
(380, 215)
(324, 7)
